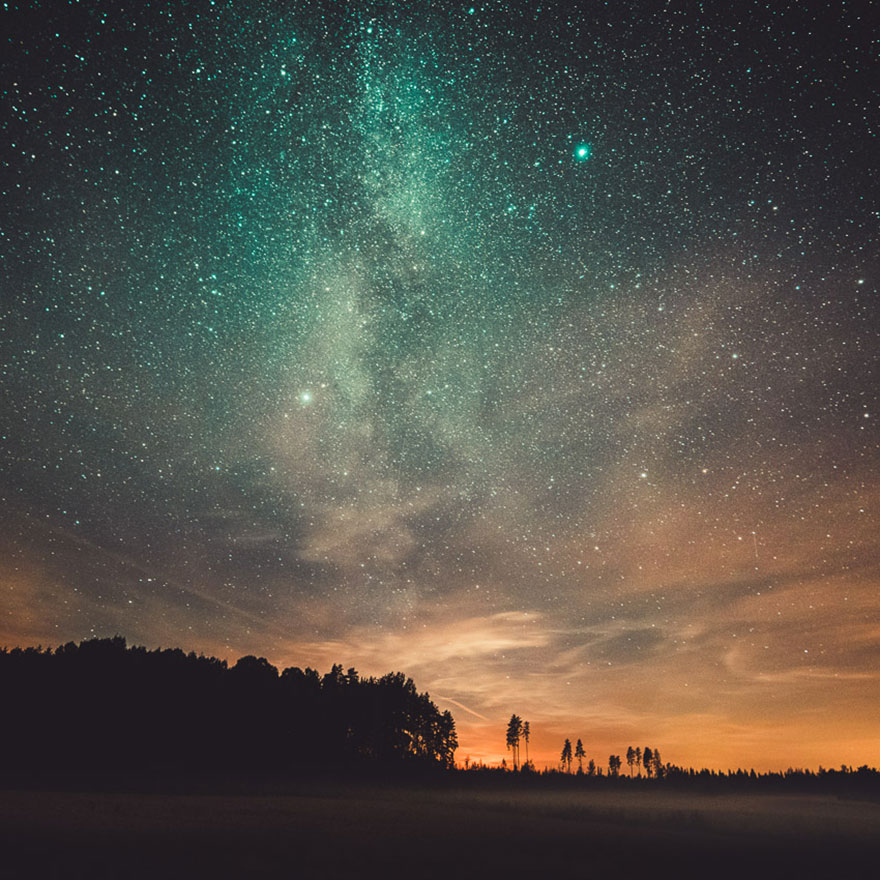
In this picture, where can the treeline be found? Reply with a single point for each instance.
(101, 709)
(520, 731)
(863, 780)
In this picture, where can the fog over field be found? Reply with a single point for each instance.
(341, 830)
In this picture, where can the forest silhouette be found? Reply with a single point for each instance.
(103, 710)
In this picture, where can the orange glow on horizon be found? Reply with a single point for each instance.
(716, 658)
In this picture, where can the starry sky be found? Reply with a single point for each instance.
(528, 349)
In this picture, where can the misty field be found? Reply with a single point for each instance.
(347, 830)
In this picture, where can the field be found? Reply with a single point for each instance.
(357, 830)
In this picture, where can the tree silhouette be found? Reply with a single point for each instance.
(526, 733)
(658, 764)
(580, 754)
(514, 732)
(184, 714)
(102, 713)
(591, 768)
(566, 755)
(446, 740)
(639, 759)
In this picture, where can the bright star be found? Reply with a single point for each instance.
(582, 152)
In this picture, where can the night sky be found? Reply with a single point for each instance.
(532, 352)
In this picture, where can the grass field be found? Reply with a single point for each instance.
(347, 830)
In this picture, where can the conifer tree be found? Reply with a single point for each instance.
(514, 732)
(658, 765)
(566, 755)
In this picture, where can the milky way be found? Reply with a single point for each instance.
(530, 351)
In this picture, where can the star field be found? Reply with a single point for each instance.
(530, 350)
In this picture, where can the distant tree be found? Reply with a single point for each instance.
(448, 740)
(566, 755)
(256, 671)
(613, 765)
(648, 759)
(580, 754)
(526, 733)
(514, 732)
(591, 768)
(658, 764)
(630, 759)
(332, 679)
(639, 759)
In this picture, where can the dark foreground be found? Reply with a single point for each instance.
(338, 830)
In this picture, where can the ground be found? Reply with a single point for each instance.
(356, 830)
